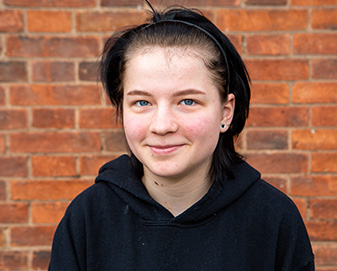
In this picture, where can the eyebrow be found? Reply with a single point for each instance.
(177, 94)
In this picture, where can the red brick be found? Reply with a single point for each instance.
(47, 190)
(194, 3)
(48, 46)
(53, 118)
(266, 2)
(101, 21)
(2, 96)
(54, 166)
(2, 241)
(50, 3)
(13, 166)
(323, 162)
(13, 119)
(88, 71)
(279, 162)
(301, 206)
(325, 254)
(324, 116)
(261, 20)
(236, 40)
(314, 139)
(278, 182)
(278, 117)
(97, 118)
(48, 21)
(48, 212)
(2, 144)
(313, 2)
(51, 71)
(41, 260)
(114, 141)
(324, 19)
(324, 68)
(13, 212)
(270, 93)
(278, 69)
(32, 236)
(322, 230)
(89, 165)
(314, 92)
(3, 190)
(44, 142)
(54, 95)
(312, 186)
(323, 208)
(13, 260)
(268, 44)
(13, 71)
(266, 139)
(318, 43)
(11, 21)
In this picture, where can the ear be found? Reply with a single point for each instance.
(227, 113)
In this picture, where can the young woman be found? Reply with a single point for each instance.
(183, 199)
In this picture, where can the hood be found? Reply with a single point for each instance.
(119, 175)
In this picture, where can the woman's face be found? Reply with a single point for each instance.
(172, 112)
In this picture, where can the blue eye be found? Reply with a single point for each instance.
(142, 103)
(188, 102)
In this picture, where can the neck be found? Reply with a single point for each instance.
(176, 194)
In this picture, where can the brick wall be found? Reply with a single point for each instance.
(57, 128)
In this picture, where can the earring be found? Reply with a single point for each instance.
(223, 125)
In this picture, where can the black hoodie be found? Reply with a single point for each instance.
(240, 224)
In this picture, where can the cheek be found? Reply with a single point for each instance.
(134, 129)
(203, 128)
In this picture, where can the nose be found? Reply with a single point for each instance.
(163, 121)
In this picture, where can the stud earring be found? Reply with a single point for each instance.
(223, 125)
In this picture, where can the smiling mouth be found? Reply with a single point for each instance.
(164, 149)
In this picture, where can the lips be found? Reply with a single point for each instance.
(164, 149)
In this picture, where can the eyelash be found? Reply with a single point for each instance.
(191, 102)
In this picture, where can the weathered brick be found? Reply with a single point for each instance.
(48, 46)
(324, 19)
(278, 182)
(314, 139)
(54, 166)
(270, 93)
(324, 68)
(51, 71)
(236, 40)
(2, 144)
(54, 95)
(266, 139)
(266, 2)
(97, 118)
(279, 162)
(41, 260)
(2, 240)
(13, 166)
(323, 162)
(13, 71)
(314, 92)
(277, 69)
(324, 116)
(88, 71)
(32, 236)
(89, 165)
(47, 190)
(114, 141)
(3, 190)
(2, 96)
(301, 206)
(48, 21)
(193, 3)
(53, 118)
(48, 212)
(313, 2)
(318, 43)
(44, 142)
(312, 186)
(101, 21)
(13, 212)
(278, 116)
(261, 20)
(322, 230)
(268, 44)
(325, 254)
(323, 208)
(11, 21)
(50, 3)
(13, 119)
(14, 260)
